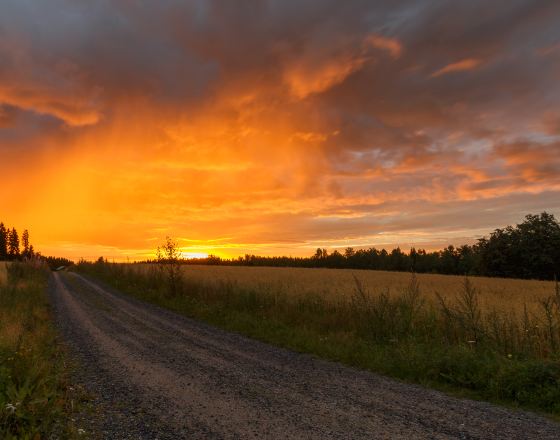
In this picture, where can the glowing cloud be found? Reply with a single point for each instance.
(459, 66)
(391, 45)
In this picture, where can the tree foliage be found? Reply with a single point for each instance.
(530, 249)
(3, 242)
(169, 258)
(13, 244)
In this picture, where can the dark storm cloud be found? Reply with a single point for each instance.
(190, 50)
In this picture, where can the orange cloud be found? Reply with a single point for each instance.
(315, 73)
(309, 77)
(391, 45)
(459, 66)
(74, 111)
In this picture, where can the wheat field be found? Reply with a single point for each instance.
(339, 284)
(3, 273)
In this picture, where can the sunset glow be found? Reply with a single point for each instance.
(275, 127)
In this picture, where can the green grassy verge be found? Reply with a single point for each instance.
(454, 346)
(34, 392)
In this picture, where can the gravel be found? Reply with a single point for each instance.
(156, 375)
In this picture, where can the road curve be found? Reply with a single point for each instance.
(155, 374)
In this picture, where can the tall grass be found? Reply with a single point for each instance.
(451, 342)
(334, 284)
(3, 273)
(33, 386)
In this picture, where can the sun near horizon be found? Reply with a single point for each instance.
(271, 128)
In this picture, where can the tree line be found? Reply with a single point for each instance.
(529, 250)
(14, 248)
(11, 247)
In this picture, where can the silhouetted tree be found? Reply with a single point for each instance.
(169, 258)
(449, 260)
(3, 242)
(529, 250)
(398, 260)
(13, 244)
(336, 260)
(25, 243)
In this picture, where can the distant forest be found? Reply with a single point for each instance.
(530, 249)
(12, 248)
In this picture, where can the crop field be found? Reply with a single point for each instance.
(334, 285)
(3, 273)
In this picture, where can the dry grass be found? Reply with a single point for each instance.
(3, 273)
(336, 284)
(34, 399)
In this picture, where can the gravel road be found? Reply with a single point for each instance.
(157, 375)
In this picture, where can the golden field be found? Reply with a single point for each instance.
(338, 284)
(3, 272)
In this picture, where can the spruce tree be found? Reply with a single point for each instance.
(3, 242)
(25, 244)
(13, 244)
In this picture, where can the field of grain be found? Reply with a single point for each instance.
(336, 284)
(3, 273)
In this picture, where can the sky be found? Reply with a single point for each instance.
(275, 127)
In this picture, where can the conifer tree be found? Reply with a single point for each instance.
(13, 244)
(25, 244)
(3, 242)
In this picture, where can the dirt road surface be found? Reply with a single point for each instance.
(156, 375)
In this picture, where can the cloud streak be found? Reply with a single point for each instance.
(459, 66)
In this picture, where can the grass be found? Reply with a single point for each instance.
(3, 273)
(34, 392)
(452, 340)
(336, 284)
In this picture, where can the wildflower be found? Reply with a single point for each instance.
(81, 431)
(509, 356)
(11, 408)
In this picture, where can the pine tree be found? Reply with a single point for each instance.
(13, 244)
(3, 242)
(25, 244)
